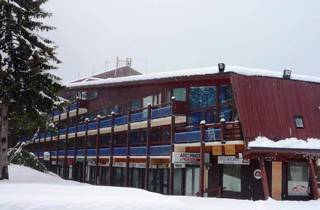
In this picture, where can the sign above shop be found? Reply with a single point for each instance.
(232, 160)
(189, 158)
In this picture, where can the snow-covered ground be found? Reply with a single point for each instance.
(32, 190)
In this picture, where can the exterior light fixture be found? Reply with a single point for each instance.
(286, 74)
(221, 67)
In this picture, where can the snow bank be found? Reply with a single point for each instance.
(289, 143)
(30, 189)
(192, 72)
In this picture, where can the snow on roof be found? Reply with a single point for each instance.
(289, 143)
(193, 72)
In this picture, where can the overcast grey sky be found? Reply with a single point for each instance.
(162, 35)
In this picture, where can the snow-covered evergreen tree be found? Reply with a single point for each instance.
(26, 58)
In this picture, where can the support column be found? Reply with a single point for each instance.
(111, 150)
(58, 145)
(202, 151)
(146, 179)
(85, 144)
(264, 178)
(97, 178)
(65, 160)
(128, 149)
(75, 149)
(314, 187)
(276, 188)
(172, 137)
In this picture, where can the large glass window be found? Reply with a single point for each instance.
(226, 93)
(298, 179)
(226, 112)
(232, 178)
(147, 100)
(201, 97)
(179, 94)
(196, 117)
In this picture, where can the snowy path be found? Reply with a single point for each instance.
(32, 190)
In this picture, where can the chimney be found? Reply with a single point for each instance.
(286, 74)
(221, 67)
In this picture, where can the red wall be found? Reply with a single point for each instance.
(267, 107)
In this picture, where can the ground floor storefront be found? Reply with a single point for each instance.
(253, 177)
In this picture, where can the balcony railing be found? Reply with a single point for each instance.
(213, 132)
(71, 107)
(163, 150)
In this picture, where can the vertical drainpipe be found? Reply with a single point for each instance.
(202, 151)
(97, 150)
(172, 137)
(128, 149)
(111, 149)
(146, 179)
(84, 174)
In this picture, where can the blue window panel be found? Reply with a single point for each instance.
(104, 151)
(160, 150)
(61, 153)
(120, 151)
(138, 151)
(121, 120)
(53, 153)
(187, 137)
(73, 106)
(72, 130)
(226, 93)
(49, 134)
(70, 152)
(226, 113)
(140, 116)
(80, 152)
(93, 126)
(62, 131)
(41, 154)
(161, 112)
(91, 152)
(201, 97)
(42, 135)
(81, 127)
(105, 123)
(214, 135)
(56, 112)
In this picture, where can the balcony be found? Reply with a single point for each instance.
(218, 132)
(72, 109)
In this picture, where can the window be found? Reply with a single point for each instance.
(226, 93)
(232, 178)
(226, 112)
(298, 179)
(83, 95)
(179, 94)
(299, 122)
(147, 100)
(200, 97)
(135, 105)
(196, 117)
(92, 95)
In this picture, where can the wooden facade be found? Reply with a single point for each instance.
(161, 146)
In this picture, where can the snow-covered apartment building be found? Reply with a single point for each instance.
(221, 131)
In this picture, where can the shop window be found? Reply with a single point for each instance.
(299, 121)
(232, 178)
(201, 97)
(298, 179)
(179, 94)
(226, 93)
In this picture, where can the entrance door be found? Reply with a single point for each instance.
(192, 180)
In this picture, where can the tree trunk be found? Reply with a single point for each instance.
(4, 142)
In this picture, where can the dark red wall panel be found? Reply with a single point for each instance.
(267, 107)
